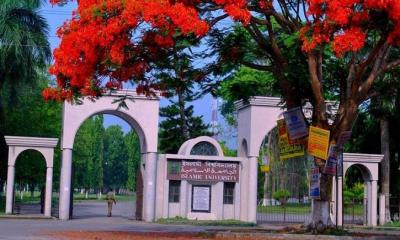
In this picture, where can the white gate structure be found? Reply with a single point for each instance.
(141, 114)
(256, 118)
(17, 145)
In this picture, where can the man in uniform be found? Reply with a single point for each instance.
(110, 200)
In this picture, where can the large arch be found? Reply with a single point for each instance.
(16, 146)
(256, 118)
(141, 113)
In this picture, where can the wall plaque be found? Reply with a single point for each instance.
(201, 198)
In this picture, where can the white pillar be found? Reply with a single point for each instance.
(149, 200)
(374, 202)
(49, 188)
(10, 189)
(382, 209)
(365, 203)
(65, 184)
(340, 202)
(252, 190)
(369, 200)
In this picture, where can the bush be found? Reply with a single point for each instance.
(281, 195)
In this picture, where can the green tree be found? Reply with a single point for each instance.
(170, 135)
(24, 50)
(88, 154)
(133, 148)
(115, 158)
(23, 108)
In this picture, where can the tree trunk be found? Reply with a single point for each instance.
(266, 183)
(385, 165)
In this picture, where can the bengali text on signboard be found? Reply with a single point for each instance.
(203, 171)
(318, 142)
(287, 150)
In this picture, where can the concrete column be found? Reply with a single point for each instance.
(65, 184)
(49, 189)
(10, 189)
(150, 187)
(340, 202)
(374, 202)
(365, 203)
(333, 201)
(252, 190)
(369, 199)
(382, 209)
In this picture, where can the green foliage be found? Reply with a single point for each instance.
(24, 52)
(105, 158)
(133, 148)
(88, 154)
(227, 151)
(172, 135)
(26, 114)
(281, 195)
(115, 158)
(246, 82)
(354, 194)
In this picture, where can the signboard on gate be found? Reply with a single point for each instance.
(203, 171)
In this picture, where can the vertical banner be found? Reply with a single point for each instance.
(287, 150)
(315, 184)
(264, 166)
(318, 142)
(331, 163)
(295, 123)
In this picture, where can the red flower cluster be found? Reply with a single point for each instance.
(108, 42)
(345, 23)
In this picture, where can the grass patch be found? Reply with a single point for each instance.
(93, 197)
(181, 220)
(393, 224)
(290, 208)
(358, 209)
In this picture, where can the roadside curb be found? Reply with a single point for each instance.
(28, 217)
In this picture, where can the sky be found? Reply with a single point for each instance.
(56, 16)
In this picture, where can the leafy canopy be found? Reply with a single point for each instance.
(108, 42)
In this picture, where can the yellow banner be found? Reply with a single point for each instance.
(287, 150)
(264, 168)
(318, 142)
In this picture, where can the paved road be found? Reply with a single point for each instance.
(91, 217)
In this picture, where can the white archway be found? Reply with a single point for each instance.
(369, 166)
(17, 145)
(141, 113)
(256, 118)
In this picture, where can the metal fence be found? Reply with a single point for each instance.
(355, 212)
(394, 203)
(288, 213)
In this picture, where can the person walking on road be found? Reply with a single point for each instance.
(110, 200)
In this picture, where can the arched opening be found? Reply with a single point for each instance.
(283, 181)
(355, 194)
(106, 164)
(29, 185)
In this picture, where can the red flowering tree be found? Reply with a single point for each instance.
(108, 42)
